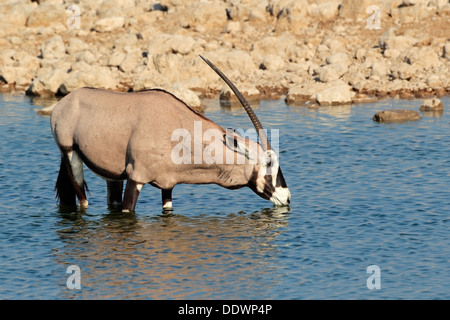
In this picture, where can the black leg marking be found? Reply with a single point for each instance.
(115, 189)
(131, 195)
(166, 195)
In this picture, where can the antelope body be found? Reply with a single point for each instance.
(128, 136)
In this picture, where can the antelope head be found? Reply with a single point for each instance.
(266, 178)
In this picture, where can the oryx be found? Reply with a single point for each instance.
(127, 136)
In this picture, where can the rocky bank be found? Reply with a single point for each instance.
(323, 51)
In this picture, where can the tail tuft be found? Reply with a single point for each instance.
(65, 192)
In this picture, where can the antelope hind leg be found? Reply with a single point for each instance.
(75, 171)
(115, 189)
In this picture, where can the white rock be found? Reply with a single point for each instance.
(403, 71)
(90, 76)
(273, 62)
(53, 48)
(186, 95)
(327, 73)
(339, 93)
(389, 41)
(86, 56)
(434, 81)
(116, 58)
(130, 62)
(49, 83)
(76, 45)
(380, 69)
(423, 57)
(325, 11)
(339, 58)
(432, 105)
(109, 24)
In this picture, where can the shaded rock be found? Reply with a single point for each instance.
(53, 48)
(48, 84)
(272, 62)
(250, 92)
(403, 71)
(389, 41)
(76, 45)
(299, 94)
(424, 58)
(380, 69)
(446, 51)
(432, 105)
(396, 115)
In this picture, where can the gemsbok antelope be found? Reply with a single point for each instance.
(128, 136)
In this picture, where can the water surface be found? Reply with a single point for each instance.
(363, 194)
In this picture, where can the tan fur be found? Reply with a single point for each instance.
(128, 136)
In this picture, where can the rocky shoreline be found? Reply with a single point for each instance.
(326, 52)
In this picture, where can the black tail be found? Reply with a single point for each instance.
(65, 191)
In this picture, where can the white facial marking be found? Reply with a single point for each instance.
(281, 196)
(269, 166)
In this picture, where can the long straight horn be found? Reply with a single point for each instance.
(259, 129)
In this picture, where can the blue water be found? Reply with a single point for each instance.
(363, 194)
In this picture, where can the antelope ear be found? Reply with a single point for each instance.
(237, 146)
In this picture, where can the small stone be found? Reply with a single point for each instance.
(432, 105)
(396, 115)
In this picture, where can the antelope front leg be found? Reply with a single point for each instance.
(131, 195)
(166, 195)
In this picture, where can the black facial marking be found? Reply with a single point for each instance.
(280, 180)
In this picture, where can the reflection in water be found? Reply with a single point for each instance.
(133, 256)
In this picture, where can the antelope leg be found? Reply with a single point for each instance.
(166, 195)
(131, 195)
(115, 189)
